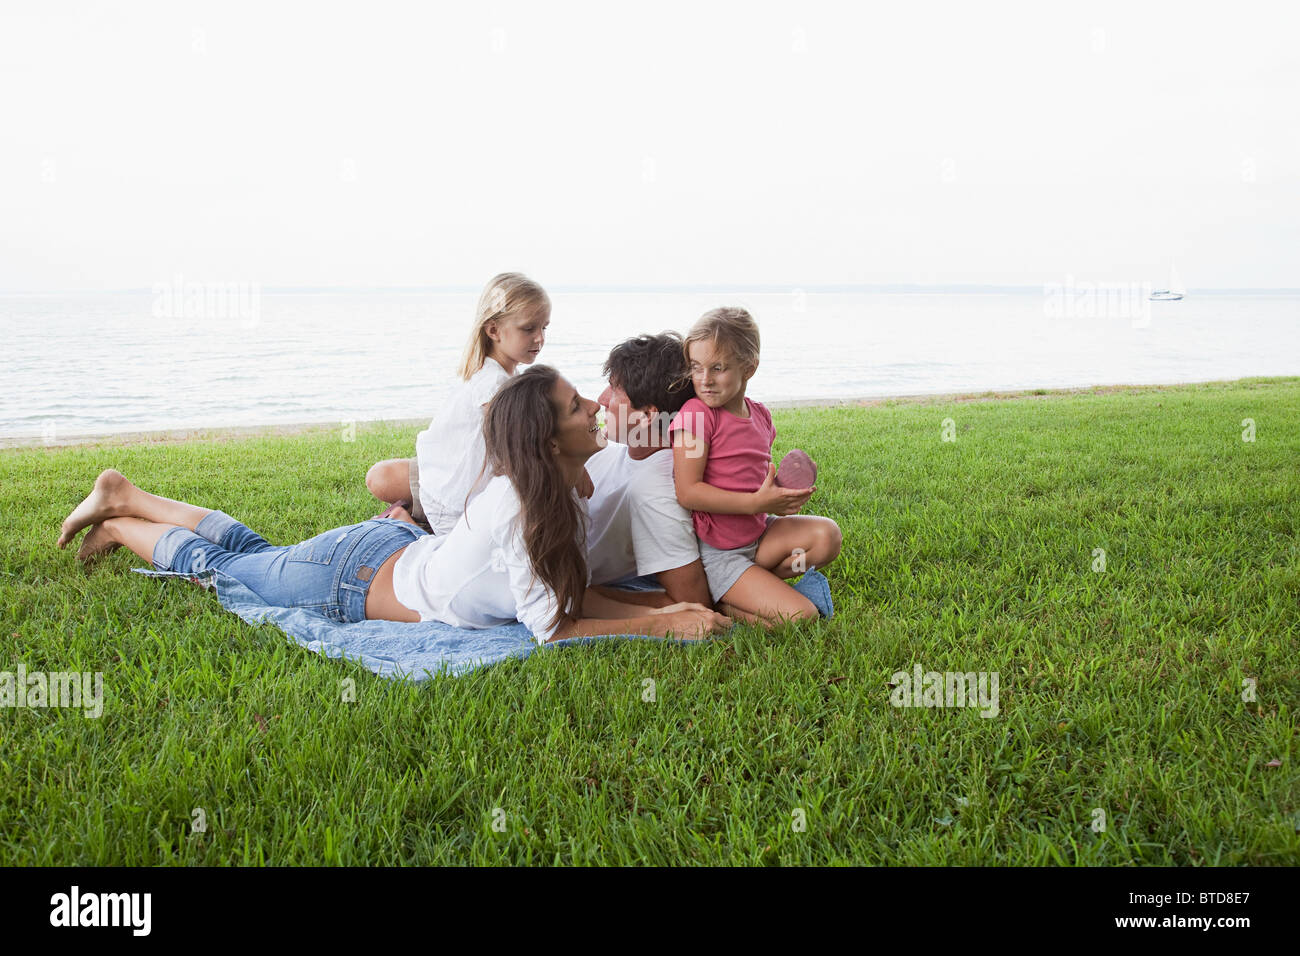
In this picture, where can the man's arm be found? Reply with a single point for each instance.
(687, 583)
(688, 623)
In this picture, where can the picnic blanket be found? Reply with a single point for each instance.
(417, 651)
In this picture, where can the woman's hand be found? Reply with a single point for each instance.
(693, 621)
(771, 498)
(683, 621)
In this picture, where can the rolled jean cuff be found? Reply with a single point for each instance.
(171, 544)
(214, 526)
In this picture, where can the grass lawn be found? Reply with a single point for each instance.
(1120, 690)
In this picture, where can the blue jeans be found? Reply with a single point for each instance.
(330, 572)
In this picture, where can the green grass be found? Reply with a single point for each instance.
(1119, 691)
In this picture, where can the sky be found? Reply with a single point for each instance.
(729, 144)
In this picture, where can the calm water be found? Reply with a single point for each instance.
(112, 363)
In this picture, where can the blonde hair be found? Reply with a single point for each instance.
(729, 328)
(506, 295)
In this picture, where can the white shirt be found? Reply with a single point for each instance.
(663, 534)
(610, 553)
(637, 526)
(479, 575)
(450, 451)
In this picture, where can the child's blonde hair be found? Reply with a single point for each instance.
(506, 295)
(731, 329)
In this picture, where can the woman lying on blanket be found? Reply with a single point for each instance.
(516, 553)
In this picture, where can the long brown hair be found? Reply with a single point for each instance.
(518, 426)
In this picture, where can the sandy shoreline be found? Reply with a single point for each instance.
(232, 432)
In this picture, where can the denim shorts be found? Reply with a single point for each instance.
(330, 573)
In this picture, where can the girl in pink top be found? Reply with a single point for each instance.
(751, 534)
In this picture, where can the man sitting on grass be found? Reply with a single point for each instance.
(637, 526)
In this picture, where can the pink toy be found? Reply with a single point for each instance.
(796, 470)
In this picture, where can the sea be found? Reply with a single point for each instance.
(193, 356)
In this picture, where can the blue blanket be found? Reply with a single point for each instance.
(415, 651)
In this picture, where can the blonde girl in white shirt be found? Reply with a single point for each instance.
(433, 488)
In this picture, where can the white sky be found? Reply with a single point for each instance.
(788, 143)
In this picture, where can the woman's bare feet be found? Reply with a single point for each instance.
(97, 543)
(107, 500)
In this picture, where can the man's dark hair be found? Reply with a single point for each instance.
(650, 369)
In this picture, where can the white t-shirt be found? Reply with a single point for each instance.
(610, 553)
(450, 451)
(479, 575)
(637, 526)
(662, 531)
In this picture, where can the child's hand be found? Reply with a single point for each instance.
(586, 487)
(771, 498)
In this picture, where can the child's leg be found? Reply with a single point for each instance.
(390, 480)
(793, 544)
(759, 593)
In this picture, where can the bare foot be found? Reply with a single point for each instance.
(397, 512)
(97, 543)
(105, 501)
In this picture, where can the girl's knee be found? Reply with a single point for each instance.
(836, 537)
(828, 539)
(390, 480)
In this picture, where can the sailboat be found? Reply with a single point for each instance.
(1174, 292)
